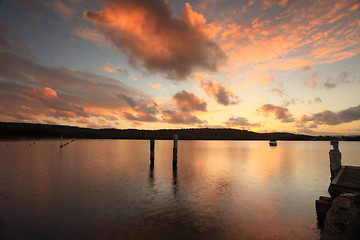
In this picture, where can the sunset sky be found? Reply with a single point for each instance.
(259, 65)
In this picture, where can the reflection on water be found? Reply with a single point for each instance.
(104, 189)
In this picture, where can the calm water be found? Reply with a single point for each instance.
(104, 189)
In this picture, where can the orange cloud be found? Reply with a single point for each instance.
(148, 34)
(40, 93)
(263, 78)
(172, 116)
(221, 94)
(292, 37)
(281, 113)
(313, 80)
(188, 101)
(108, 68)
(83, 95)
(155, 85)
(83, 120)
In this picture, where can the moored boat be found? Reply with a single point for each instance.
(272, 142)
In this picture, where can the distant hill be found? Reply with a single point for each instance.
(30, 130)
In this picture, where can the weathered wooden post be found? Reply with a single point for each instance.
(152, 151)
(335, 158)
(175, 147)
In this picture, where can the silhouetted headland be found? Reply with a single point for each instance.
(30, 130)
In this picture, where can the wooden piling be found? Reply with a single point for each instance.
(175, 148)
(335, 158)
(152, 151)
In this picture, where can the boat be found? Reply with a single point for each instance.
(272, 142)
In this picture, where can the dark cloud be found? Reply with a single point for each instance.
(332, 83)
(147, 33)
(34, 6)
(240, 122)
(315, 100)
(327, 117)
(139, 117)
(188, 102)
(14, 45)
(288, 102)
(3, 41)
(172, 116)
(221, 94)
(123, 71)
(37, 91)
(281, 113)
(329, 84)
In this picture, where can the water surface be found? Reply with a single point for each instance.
(104, 189)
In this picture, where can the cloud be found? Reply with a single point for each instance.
(271, 3)
(123, 71)
(263, 78)
(107, 67)
(281, 113)
(172, 116)
(240, 122)
(342, 78)
(66, 94)
(278, 91)
(83, 120)
(40, 93)
(313, 80)
(221, 94)
(188, 102)
(315, 100)
(90, 34)
(288, 38)
(327, 117)
(14, 45)
(3, 41)
(37, 7)
(149, 35)
(331, 82)
(137, 119)
(155, 85)
(63, 10)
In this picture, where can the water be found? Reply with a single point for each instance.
(105, 189)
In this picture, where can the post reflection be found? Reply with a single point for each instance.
(175, 187)
(151, 175)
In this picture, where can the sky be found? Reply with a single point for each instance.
(259, 65)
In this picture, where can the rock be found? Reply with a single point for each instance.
(343, 213)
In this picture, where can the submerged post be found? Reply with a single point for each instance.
(335, 158)
(175, 147)
(152, 148)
